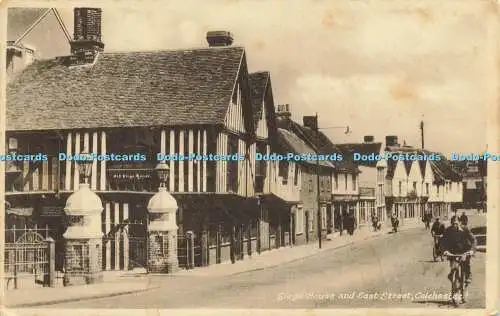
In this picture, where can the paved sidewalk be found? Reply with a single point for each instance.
(120, 283)
(276, 257)
(23, 298)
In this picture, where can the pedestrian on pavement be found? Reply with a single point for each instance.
(351, 223)
(427, 220)
(463, 219)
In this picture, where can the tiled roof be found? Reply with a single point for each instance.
(349, 150)
(441, 169)
(176, 87)
(20, 19)
(258, 84)
(292, 143)
(325, 146)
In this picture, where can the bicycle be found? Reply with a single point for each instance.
(458, 285)
(436, 251)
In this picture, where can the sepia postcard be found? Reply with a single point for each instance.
(263, 157)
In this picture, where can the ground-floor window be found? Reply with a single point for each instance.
(323, 217)
(311, 222)
(299, 221)
(372, 208)
(362, 212)
(380, 213)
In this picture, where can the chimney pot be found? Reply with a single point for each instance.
(219, 38)
(368, 139)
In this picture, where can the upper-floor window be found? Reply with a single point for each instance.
(380, 174)
(437, 189)
(345, 181)
(415, 186)
(336, 181)
(354, 182)
(296, 175)
(427, 188)
(400, 187)
(311, 186)
(283, 170)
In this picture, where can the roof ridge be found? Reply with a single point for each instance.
(172, 50)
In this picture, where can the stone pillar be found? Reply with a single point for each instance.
(162, 233)
(83, 238)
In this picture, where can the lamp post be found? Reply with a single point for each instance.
(83, 237)
(162, 228)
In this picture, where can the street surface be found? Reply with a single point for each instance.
(394, 270)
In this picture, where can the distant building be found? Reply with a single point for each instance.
(371, 178)
(474, 175)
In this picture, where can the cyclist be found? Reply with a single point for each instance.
(437, 228)
(458, 240)
(463, 219)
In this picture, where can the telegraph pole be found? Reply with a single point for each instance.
(320, 217)
(422, 133)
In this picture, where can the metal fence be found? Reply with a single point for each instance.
(28, 257)
(189, 251)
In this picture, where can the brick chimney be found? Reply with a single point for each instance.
(368, 139)
(219, 38)
(284, 116)
(391, 141)
(284, 111)
(87, 33)
(310, 121)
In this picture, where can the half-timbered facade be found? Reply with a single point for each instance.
(192, 108)
(416, 187)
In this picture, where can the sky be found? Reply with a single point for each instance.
(377, 67)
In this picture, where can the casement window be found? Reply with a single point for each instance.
(336, 181)
(415, 186)
(380, 174)
(299, 221)
(427, 188)
(296, 174)
(283, 170)
(354, 182)
(345, 180)
(311, 222)
(400, 187)
(311, 185)
(323, 217)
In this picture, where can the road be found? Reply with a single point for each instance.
(394, 270)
